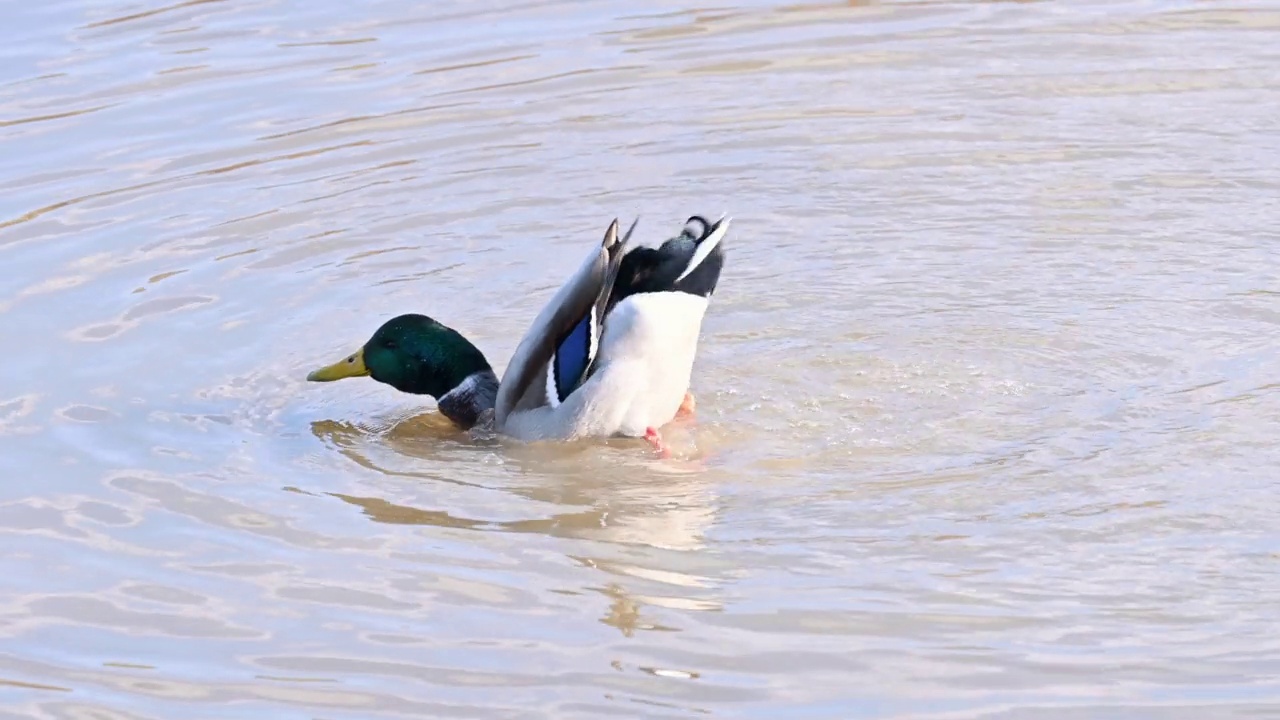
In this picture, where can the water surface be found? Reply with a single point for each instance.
(987, 395)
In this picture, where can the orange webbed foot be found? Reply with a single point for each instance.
(654, 438)
(687, 406)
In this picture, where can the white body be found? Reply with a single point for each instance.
(645, 363)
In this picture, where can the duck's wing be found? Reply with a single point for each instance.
(558, 351)
(689, 263)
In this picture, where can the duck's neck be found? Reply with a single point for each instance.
(464, 403)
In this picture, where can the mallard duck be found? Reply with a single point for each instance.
(610, 354)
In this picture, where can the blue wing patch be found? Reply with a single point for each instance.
(572, 357)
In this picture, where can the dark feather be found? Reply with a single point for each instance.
(645, 270)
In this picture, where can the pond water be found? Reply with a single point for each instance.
(987, 397)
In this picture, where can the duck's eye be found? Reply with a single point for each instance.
(389, 344)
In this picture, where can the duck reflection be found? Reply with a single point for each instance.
(615, 492)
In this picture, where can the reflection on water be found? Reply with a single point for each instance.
(630, 497)
(986, 407)
(616, 498)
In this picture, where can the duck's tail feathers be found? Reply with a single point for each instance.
(707, 240)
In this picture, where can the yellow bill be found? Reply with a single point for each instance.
(351, 366)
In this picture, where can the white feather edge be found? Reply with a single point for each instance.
(706, 247)
(553, 398)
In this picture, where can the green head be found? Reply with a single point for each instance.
(413, 354)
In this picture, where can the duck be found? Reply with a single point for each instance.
(610, 354)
